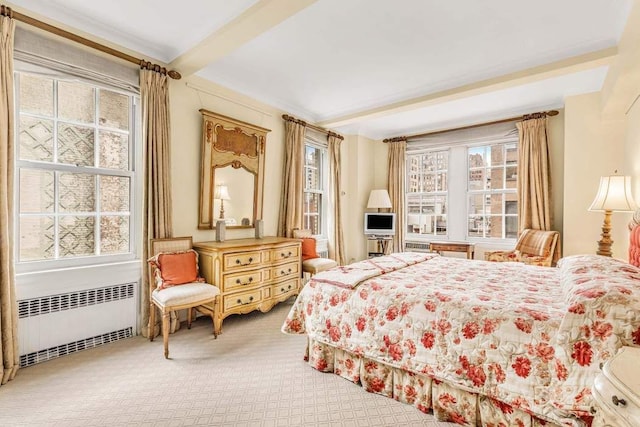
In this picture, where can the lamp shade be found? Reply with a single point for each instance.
(379, 199)
(222, 193)
(614, 194)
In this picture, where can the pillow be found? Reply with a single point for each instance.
(309, 248)
(175, 268)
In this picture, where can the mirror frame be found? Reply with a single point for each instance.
(229, 142)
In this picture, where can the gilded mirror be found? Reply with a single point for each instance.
(232, 172)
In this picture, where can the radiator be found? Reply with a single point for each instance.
(56, 325)
(416, 247)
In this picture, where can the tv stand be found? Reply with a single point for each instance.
(382, 244)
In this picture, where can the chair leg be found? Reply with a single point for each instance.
(213, 319)
(165, 331)
(152, 321)
(189, 314)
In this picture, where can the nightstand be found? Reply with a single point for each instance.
(617, 390)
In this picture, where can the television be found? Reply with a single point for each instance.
(380, 223)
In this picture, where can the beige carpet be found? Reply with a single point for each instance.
(252, 375)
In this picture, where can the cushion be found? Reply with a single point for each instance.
(175, 268)
(188, 293)
(316, 265)
(309, 248)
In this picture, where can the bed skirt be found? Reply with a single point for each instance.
(447, 402)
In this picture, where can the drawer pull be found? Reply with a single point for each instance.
(282, 255)
(239, 282)
(285, 290)
(240, 262)
(244, 303)
(618, 402)
(282, 272)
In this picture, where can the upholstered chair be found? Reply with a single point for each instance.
(174, 284)
(312, 263)
(534, 247)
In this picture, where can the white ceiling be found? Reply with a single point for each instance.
(379, 68)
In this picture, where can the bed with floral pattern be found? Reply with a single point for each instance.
(477, 343)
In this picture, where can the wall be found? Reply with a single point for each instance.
(593, 147)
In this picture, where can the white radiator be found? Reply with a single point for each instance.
(416, 247)
(55, 325)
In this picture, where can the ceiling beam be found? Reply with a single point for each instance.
(259, 18)
(567, 66)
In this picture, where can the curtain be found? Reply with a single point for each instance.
(397, 151)
(154, 94)
(8, 305)
(291, 204)
(534, 202)
(336, 238)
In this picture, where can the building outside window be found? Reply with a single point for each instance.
(74, 170)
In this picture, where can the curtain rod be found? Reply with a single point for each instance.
(314, 127)
(7, 11)
(495, 122)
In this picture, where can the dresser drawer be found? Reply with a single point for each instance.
(238, 260)
(286, 270)
(285, 252)
(241, 299)
(615, 403)
(237, 281)
(286, 287)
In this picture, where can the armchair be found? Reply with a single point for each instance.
(534, 247)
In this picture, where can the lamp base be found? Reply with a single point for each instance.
(604, 244)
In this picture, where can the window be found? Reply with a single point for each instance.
(492, 191)
(427, 193)
(462, 190)
(314, 188)
(74, 170)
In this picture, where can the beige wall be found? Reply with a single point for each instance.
(185, 152)
(593, 148)
(555, 136)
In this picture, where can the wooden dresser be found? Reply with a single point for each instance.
(252, 274)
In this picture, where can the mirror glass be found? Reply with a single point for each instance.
(239, 195)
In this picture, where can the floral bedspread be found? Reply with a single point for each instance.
(532, 337)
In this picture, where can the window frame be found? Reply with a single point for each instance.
(323, 191)
(135, 184)
(458, 192)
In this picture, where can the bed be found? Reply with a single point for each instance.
(474, 342)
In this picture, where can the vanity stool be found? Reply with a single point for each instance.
(617, 390)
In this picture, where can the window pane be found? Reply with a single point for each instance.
(36, 238)
(114, 194)
(36, 95)
(75, 144)
(114, 234)
(313, 162)
(441, 225)
(76, 102)
(495, 204)
(495, 227)
(114, 150)
(114, 110)
(443, 160)
(497, 178)
(442, 181)
(76, 192)
(511, 154)
(476, 204)
(36, 139)
(77, 236)
(511, 224)
(476, 179)
(497, 155)
(477, 157)
(36, 191)
(511, 177)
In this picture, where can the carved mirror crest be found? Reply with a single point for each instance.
(232, 172)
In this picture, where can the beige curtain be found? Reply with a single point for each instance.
(336, 240)
(291, 203)
(397, 151)
(534, 202)
(154, 94)
(8, 305)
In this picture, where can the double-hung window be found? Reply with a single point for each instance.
(315, 185)
(427, 189)
(463, 186)
(74, 171)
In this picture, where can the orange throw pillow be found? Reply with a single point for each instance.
(178, 269)
(309, 248)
